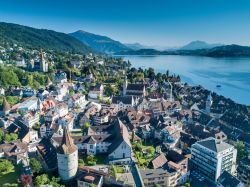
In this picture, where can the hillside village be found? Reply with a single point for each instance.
(69, 119)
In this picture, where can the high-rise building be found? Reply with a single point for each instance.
(67, 157)
(211, 157)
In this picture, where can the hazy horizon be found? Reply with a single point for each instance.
(166, 23)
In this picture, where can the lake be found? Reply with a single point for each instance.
(233, 74)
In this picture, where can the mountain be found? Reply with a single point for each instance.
(221, 51)
(199, 45)
(40, 38)
(136, 46)
(100, 43)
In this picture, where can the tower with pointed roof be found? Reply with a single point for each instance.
(5, 107)
(125, 84)
(67, 157)
(209, 103)
(43, 64)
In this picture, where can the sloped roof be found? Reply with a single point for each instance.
(124, 99)
(214, 145)
(6, 105)
(137, 87)
(67, 145)
(159, 161)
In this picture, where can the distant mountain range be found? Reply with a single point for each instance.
(220, 51)
(40, 38)
(199, 45)
(84, 42)
(99, 43)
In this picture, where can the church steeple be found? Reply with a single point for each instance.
(5, 106)
(125, 84)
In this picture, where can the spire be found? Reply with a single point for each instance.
(6, 106)
(67, 145)
(48, 82)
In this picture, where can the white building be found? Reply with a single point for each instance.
(60, 78)
(211, 157)
(122, 102)
(77, 100)
(96, 91)
(31, 118)
(67, 157)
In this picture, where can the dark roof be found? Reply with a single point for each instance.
(124, 99)
(175, 156)
(67, 146)
(138, 87)
(48, 153)
(214, 145)
(227, 180)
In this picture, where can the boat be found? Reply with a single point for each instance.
(218, 86)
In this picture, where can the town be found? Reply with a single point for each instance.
(69, 119)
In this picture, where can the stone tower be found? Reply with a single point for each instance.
(67, 157)
(125, 84)
(209, 103)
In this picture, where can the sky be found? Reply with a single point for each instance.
(150, 22)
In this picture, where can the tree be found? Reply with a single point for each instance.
(241, 150)
(91, 160)
(41, 180)
(6, 166)
(55, 182)
(35, 165)
(10, 137)
(86, 125)
(187, 184)
(157, 185)
(81, 162)
(150, 150)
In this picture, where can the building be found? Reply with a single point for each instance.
(137, 90)
(28, 104)
(163, 177)
(16, 151)
(243, 171)
(60, 77)
(96, 91)
(67, 157)
(226, 180)
(86, 179)
(211, 157)
(40, 64)
(30, 118)
(122, 102)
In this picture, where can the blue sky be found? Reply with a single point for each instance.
(151, 22)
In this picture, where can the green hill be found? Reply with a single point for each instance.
(40, 38)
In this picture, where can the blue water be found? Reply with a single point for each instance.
(233, 74)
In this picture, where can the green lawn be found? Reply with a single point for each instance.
(10, 177)
(100, 159)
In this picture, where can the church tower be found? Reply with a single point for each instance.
(125, 84)
(67, 157)
(5, 107)
(209, 103)
(43, 64)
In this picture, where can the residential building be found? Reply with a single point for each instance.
(211, 157)
(87, 179)
(243, 171)
(31, 118)
(96, 91)
(226, 180)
